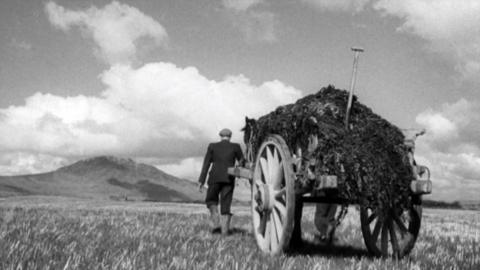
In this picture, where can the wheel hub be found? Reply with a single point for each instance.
(265, 197)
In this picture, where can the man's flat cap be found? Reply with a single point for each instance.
(225, 132)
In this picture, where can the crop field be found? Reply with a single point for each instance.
(62, 233)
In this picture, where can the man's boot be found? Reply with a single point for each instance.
(226, 224)
(214, 219)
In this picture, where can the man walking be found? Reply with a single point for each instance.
(220, 155)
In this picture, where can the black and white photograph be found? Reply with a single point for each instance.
(239, 134)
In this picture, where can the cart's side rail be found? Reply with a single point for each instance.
(319, 181)
(420, 185)
(241, 172)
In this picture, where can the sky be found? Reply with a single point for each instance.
(156, 80)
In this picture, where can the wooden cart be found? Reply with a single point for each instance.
(278, 197)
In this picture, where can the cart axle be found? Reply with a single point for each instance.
(265, 197)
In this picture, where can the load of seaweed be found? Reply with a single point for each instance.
(370, 154)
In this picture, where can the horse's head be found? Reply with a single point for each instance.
(249, 129)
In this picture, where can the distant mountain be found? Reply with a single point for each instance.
(104, 177)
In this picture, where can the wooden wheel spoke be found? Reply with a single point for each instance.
(384, 241)
(263, 224)
(256, 215)
(274, 167)
(372, 217)
(279, 180)
(278, 215)
(275, 229)
(278, 170)
(280, 193)
(268, 234)
(376, 230)
(400, 224)
(271, 164)
(259, 182)
(394, 240)
(269, 157)
(276, 157)
(282, 209)
(264, 169)
(278, 225)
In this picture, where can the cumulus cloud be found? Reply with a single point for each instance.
(115, 28)
(188, 168)
(451, 27)
(442, 128)
(59, 125)
(188, 105)
(14, 163)
(156, 110)
(338, 5)
(453, 128)
(451, 148)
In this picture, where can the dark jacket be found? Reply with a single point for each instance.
(222, 155)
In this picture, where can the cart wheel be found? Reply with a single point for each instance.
(401, 227)
(273, 196)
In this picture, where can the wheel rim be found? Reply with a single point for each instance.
(392, 232)
(272, 194)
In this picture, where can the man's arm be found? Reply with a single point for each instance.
(239, 156)
(206, 165)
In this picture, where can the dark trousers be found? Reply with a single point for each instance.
(222, 192)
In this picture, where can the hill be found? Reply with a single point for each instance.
(104, 177)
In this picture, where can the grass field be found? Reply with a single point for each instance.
(61, 233)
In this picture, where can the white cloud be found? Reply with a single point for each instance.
(58, 125)
(188, 168)
(441, 127)
(453, 128)
(157, 110)
(14, 163)
(187, 105)
(339, 5)
(451, 27)
(115, 28)
(451, 148)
